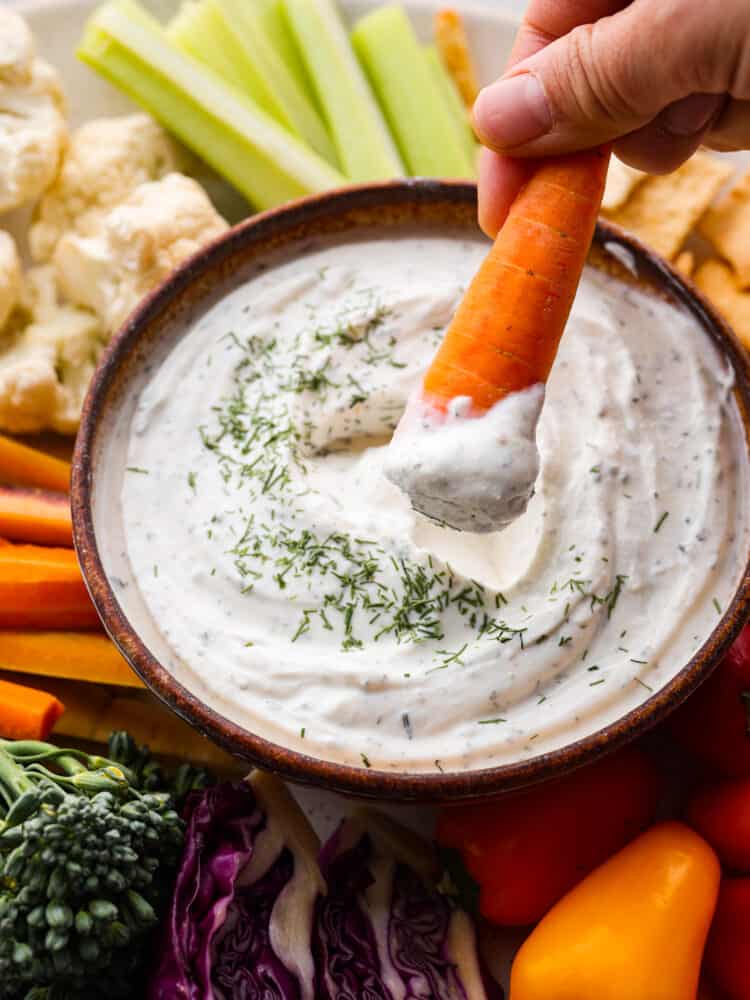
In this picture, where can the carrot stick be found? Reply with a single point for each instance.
(93, 712)
(77, 656)
(30, 467)
(506, 331)
(27, 713)
(453, 46)
(43, 588)
(31, 515)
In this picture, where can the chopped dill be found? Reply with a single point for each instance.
(661, 521)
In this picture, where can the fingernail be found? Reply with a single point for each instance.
(691, 115)
(512, 112)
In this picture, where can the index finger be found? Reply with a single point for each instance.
(546, 20)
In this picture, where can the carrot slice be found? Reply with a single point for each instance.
(27, 713)
(42, 588)
(31, 515)
(30, 467)
(76, 656)
(506, 331)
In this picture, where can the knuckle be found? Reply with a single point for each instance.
(598, 80)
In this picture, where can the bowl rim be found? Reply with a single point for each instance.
(361, 781)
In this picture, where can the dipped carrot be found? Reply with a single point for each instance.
(27, 466)
(26, 713)
(43, 588)
(32, 515)
(78, 656)
(506, 331)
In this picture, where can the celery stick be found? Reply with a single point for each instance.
(241, 142)
(425, 130)
(453, 101)
(226, 36)
(272, 19)
(198, 29)
(365, 147)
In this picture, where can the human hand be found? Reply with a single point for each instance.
(656, 77)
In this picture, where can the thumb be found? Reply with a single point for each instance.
(665, 65)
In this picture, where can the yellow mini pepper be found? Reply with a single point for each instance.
(634, 929)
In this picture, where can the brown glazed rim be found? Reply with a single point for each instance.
(396, 203)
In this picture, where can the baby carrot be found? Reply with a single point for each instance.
(505, 333)
(26, 713)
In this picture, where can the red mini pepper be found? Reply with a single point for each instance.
(714, 724)
(721, 813)
(526, 850)
(727, 956)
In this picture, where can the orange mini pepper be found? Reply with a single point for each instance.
(634, 929)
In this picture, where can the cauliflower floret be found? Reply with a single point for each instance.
(138, 244)
(17, 48)
(105, 161)
(33, 132)
(10, 274)
(48, 352)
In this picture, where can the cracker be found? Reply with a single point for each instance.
(718, 282)
(622, 180)
(727, 227)
(453, 45)
(685, 263)
(663, 210)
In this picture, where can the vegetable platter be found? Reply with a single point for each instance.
(58, 26)
(498, 860)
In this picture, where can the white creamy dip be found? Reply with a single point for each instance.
(305, 599)
(471, 473)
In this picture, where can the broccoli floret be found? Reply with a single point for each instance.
(148, 774)
(86, 865)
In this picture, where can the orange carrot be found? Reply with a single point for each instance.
(30, 515)
(43, 588)
(77, 656)
(505, 333)
(26, 713)
(30, 467)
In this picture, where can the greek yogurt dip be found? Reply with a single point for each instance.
(305, 599)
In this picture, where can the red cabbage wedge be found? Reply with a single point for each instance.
(384, 931)
(240, 922)
(258, 913)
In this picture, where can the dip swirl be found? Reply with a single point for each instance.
(308, 601)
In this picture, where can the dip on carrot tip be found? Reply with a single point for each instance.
(465, 451)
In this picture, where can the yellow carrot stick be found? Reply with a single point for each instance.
(27, 466)
(76, 656)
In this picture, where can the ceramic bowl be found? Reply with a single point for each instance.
(165, 316)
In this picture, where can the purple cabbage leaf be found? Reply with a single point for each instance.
(259, 913)
(240, 921)
(384, 931)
